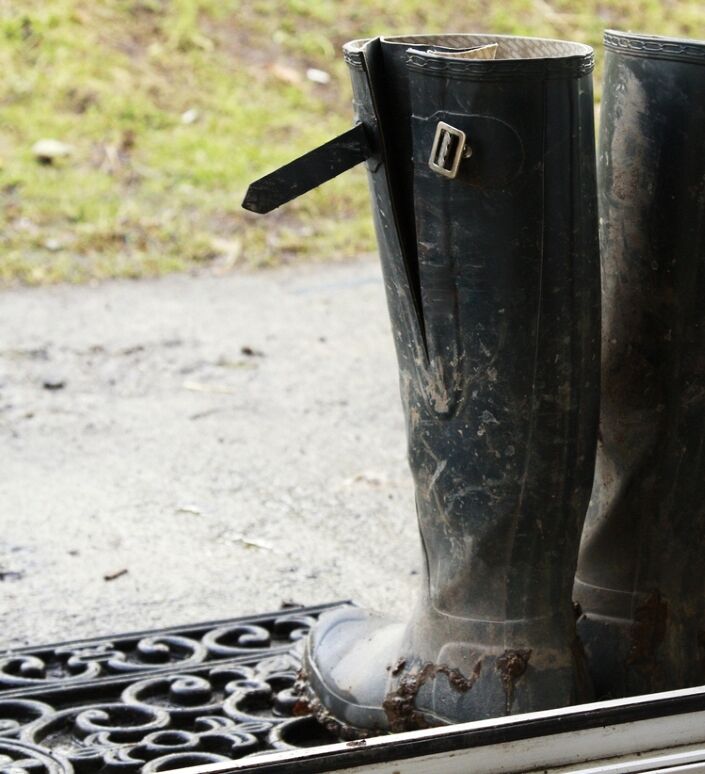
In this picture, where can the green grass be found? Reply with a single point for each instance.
(144, 192)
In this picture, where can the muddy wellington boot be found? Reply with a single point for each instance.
(480, 153)
(641, 575)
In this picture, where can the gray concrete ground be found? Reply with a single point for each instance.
(194, 448)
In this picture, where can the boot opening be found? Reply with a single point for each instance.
(508, 47)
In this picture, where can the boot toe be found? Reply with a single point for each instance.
(347, 664)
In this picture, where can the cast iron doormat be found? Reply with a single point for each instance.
(156, 700)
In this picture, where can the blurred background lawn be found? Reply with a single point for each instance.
(168, 108)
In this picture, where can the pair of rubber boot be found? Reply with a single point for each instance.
(481, 161)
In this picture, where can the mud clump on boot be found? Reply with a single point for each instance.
(310, 704)
(397, 668)
(399, 704)
(511, 665)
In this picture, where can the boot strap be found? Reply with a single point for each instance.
(309, 171)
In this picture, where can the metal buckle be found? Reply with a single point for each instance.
(449, 149)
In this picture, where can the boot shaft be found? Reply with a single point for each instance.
(492, 281)
(640, 556)
(651, 170)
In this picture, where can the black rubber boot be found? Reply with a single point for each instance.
(483, 187)
(641, 575)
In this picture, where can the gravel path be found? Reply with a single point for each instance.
(198, 447)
